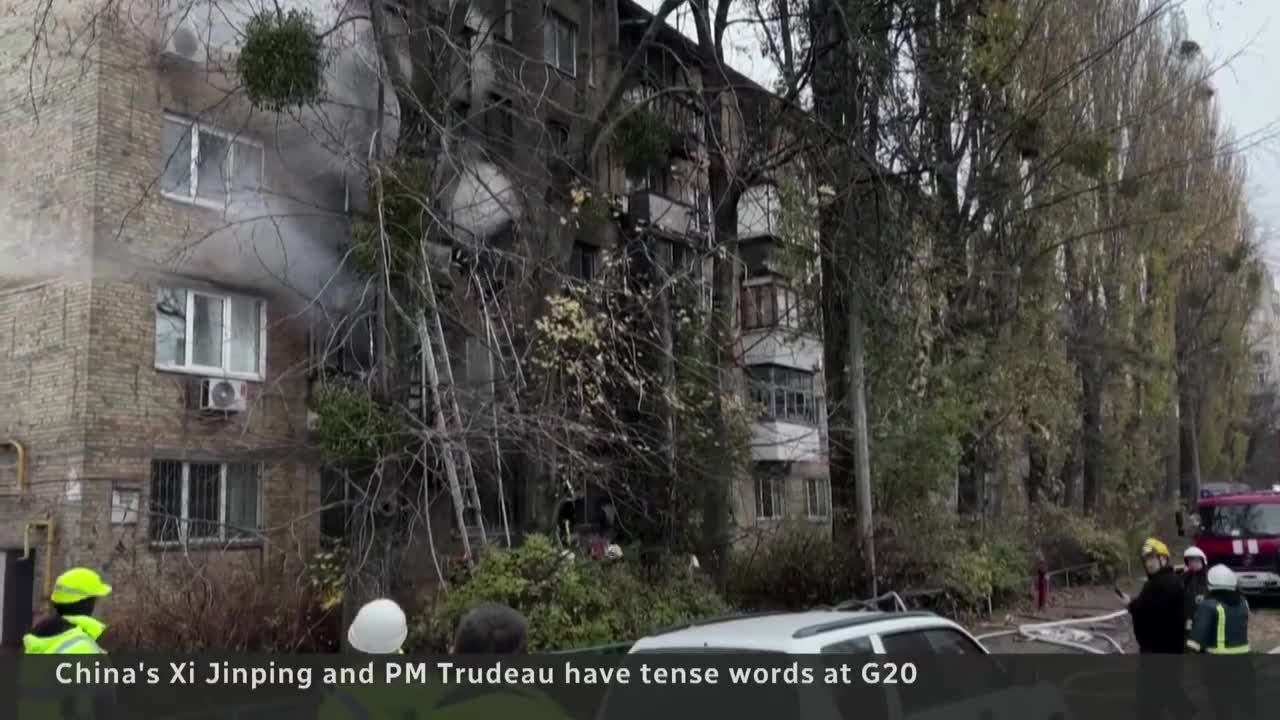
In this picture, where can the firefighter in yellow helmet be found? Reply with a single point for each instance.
(72, 629)
(1159, 628)
(1157, 612)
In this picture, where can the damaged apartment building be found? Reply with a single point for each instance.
(167, 250)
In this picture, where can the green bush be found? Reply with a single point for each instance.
(995, 568)
(569, 603)
(1066, 539)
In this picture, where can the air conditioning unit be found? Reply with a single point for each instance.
(219, 395)
(184, 42)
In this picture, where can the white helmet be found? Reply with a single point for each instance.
(1194, 553)
(379, 628)
(1221, 578)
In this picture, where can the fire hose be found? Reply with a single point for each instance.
(1062, 634)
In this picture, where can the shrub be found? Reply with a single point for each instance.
(794, 570)
(994, 568)
(1066, 539)
(568, 603)
(219, 607)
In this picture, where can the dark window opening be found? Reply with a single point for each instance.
(770, 305)
(499, 124)
(335, 507)
(582, 262)
(771, 491)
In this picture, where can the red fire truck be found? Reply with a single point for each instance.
(1242, 531)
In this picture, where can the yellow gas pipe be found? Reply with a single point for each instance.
(47, 524)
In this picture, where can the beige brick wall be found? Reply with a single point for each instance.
(87, 239)
(751, 529)
(48, 112)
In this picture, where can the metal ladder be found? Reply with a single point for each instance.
(495, 325)
(461, 477)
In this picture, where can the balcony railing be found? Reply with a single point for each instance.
(655, 210)
(676, 112)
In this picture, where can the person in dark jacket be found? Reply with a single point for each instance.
(1157, 612)
(1221, 627)
(1159, 628)
(1195, 581)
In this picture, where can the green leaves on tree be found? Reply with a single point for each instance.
(1087, 156)
(350, 426)
(282, 61)
(401, 202)
(644, 140)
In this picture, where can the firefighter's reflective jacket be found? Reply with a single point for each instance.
(41, 695)
(1221, 625)
(65, 635)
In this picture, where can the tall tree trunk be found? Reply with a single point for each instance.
(1094, 444)
(862, 448)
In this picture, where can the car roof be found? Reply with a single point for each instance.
(770, 631)
(1252, 497)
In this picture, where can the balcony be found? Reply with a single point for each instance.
(647, 208)
(677, 114)
(785, 442)
(759, 210)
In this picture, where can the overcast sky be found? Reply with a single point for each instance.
(1244, 37)
(1240, 37)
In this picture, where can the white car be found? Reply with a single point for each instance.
(879, 688)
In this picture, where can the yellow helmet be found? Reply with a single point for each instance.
(1152, 546)
(78, 584)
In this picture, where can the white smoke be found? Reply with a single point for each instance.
(484, 201)
(324, 152)
(292, 239)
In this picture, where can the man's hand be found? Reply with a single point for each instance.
(1124, 597)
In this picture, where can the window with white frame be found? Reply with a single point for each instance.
(770, 492)
(560, 42)
(205, 165)
(782, 394)
(817, 491)
(195, 502)
(211, 333)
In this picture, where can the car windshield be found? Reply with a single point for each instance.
(1234, 521)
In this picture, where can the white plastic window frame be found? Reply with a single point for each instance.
(190, 368)
(195, 130)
